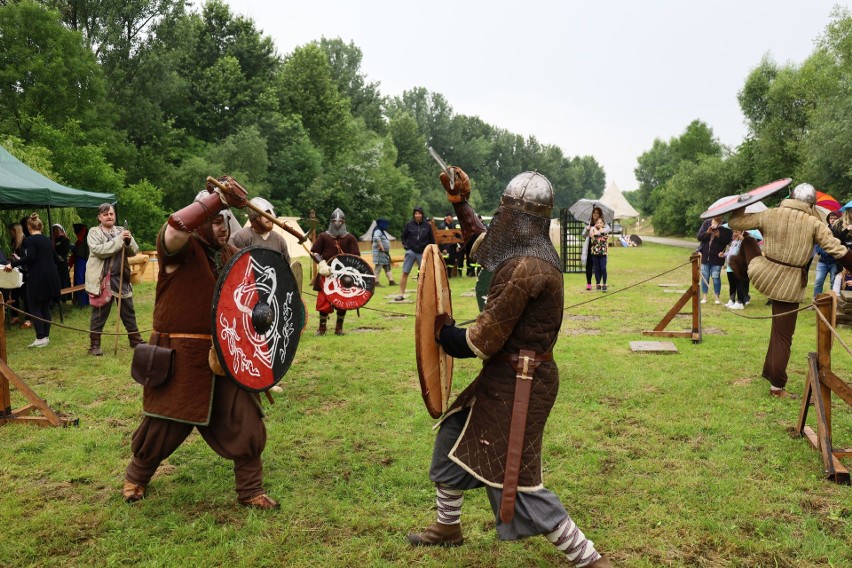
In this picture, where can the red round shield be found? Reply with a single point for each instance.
(351, 282)
(745, 199)
(258, 318)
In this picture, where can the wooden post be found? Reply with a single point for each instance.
(694, 294)
(5, 395)
(819, 385)
(9, 378)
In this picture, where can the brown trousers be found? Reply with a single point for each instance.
(780, 340)
(783, 328)
(236, 432)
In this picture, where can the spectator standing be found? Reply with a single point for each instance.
(826, 265)
(62, 245)
(106, 243)
(598, 236)
(416, 235)
(714, 239)
(452, 252)
(40, 259)
(79, 258)
(585, 256)
(381, 251)
(19, 295)
(737, 287)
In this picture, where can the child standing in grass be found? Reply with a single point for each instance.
(598, 247)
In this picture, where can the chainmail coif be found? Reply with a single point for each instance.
(515, 233)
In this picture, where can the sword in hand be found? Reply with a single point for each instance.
(447, 170)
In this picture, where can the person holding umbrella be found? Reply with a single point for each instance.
(589, 211)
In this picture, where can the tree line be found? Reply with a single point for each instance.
(799, 119)
(144, 99)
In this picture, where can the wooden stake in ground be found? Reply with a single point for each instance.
(9, 378)
(120, 286)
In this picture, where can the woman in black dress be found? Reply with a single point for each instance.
(43, 283)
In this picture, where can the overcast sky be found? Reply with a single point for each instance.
(600, 78)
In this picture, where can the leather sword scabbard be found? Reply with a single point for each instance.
(525, 368)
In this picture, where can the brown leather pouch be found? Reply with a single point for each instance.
(152, 365)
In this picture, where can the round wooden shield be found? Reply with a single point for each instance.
(351, 282)
(434, 367)
(258, 317)
(734, 202)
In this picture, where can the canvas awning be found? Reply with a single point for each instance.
(22, 187)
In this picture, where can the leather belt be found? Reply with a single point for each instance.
(159, 334)
(804, 269)
(525, 363)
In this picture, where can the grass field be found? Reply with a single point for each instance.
(663, 460)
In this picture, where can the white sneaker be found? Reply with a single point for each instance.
(730, 304)
(737, 306)
(717, 301)
(40, 342)
(704, 301)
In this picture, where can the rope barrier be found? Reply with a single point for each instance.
(609, 295)
(52, 323)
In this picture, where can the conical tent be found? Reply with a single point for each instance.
(22, 187)
(613, 197)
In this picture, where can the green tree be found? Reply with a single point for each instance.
(307, 89)
(365, 100)
(45, 71)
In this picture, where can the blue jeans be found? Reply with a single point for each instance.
(708, 272)
(823, 270)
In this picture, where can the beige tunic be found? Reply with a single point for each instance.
(789, 232)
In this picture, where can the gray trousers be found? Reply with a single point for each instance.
(127, 314)
(536, 513)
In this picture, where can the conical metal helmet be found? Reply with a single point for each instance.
(531, 193)
(337, 215)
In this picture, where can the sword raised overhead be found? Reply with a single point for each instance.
(450, 173)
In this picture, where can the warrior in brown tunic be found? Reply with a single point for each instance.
(192, 248)
(490, 437)
(336, 240)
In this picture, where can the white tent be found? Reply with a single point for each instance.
(368, 236)
(613, 197)
(293, 247)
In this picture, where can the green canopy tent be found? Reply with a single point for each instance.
(21, 187)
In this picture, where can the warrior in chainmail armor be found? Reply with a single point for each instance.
(491, 436)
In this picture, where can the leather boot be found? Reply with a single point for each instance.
(338, 325)
(135, 339)
(437, 534)
(95, 344)
(323, 321)
(602, 562)
(132, 492)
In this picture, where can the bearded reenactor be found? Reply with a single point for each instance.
(192, 249)
(336, 240)
(496, 442)
(780, 271)
(259, 232)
